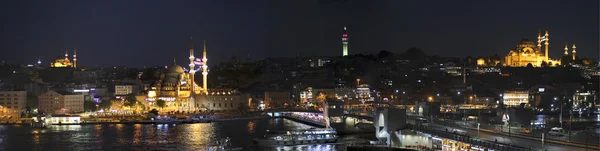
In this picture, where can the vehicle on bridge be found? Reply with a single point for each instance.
(556, 131)
(525, 130)
(298, 137)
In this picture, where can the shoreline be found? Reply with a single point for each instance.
(154, 122)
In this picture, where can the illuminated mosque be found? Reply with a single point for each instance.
(181, 93)
(64, 62)
(527, 52)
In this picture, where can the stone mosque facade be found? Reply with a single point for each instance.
(177, 87)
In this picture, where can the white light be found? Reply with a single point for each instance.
(84, 90)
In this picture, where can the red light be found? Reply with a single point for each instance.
(345, 35)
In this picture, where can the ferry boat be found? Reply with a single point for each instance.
(41, 121)
(298, 137)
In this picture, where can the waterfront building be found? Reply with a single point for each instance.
(277, 99)
(526, 52)
(60, 102)
(585, 99)
(12, 103)
(515, 98)
(221, 100)
(181, 93)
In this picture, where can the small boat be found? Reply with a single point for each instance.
(298, 137)
(223, 145)
(166, 120)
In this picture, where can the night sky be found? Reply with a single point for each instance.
(152, 32)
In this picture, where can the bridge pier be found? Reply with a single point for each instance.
(388, 122)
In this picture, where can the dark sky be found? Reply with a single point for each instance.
(153, 32)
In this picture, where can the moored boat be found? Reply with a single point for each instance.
(223, 145)
(298, 137)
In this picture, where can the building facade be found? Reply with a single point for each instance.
(180, 92)
(277, 99)
(125, 89)
(515, 98)
(12, 103)
(57, 102)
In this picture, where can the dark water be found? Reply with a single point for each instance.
(149, 137)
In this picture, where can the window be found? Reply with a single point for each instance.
(219, 104)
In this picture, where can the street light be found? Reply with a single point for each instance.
(478, 127)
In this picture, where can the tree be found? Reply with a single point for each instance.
(544, 64)
(130, 100)
(383, 54)
(89, 106)
(154, 111)
(105, 104)
(529, 65)
(160, 103)
(243, 108)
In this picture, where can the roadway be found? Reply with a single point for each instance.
(581, 137)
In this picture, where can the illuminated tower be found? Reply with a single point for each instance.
(566, 49)
(539, 42)
(546, 44)
(74, 58)
(192, 65)
(66, 55)
(204, 70)
(574, 51)
(344, 42)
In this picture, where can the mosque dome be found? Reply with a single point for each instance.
(174, 68)
(170, 81)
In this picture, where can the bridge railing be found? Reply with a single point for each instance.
(470, 140)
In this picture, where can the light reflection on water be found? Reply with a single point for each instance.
(148, 137)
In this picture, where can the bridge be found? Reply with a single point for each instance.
(468, 134)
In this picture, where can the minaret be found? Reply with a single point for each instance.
(192, 101)
(539, 42)
(204, 70)
(546, 43)
(574, 51)
(566, 49)
(66, 55)
(192, 65)
(74, 58)
(344, 42)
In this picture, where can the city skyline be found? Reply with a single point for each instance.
(124, 33)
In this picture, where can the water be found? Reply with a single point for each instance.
(150, 137)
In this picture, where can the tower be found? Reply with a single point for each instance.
(66, 55)
(204, 70)
(192, 101)
(546, 44)
(539, 42)
(574, 51)
(74, 58)
(566, 49)
(344, 42)
(192, 65)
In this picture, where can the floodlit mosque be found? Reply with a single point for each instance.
(64, 62)
(527, 52)
(181, 94)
